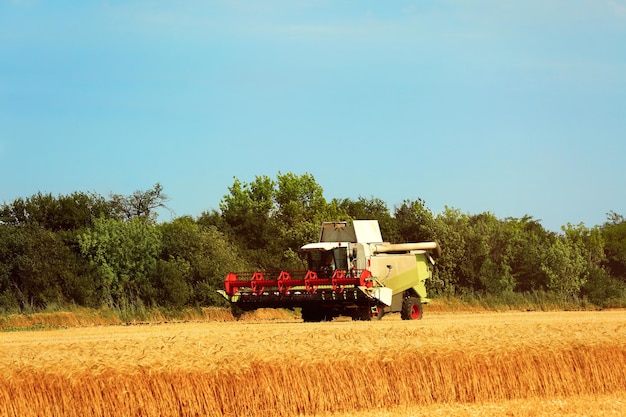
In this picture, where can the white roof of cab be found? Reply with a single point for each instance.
(323, 246)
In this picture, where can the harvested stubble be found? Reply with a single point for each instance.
(288, 369)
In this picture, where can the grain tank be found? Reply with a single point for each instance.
(351, 272)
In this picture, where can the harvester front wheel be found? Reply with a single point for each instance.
(411, 309)
(362, 314)
(380, 313)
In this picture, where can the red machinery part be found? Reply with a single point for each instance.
(365, 279)
(309, 280)
(312, 281)
(258, 284)
(339, 281)
(283, 278)
(232, 284)
(286, 282)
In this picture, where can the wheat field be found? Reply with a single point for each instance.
(519, 364)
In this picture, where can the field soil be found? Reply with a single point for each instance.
(488, 364)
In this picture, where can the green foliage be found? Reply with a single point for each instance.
(603, 290)
(71, 212)
(83, 249)
(196, 259)
(299, 201)
(565, 267)
(270, 219)
(124, 254)
(529, 242)
(142, 204)
(172, 281)
(367, 209)
(589, 241)
(450, 226)
(298, 198)
(414, 222)
(37, 268)
(600, 287)
(491, 247)
(247, 210)
(614, 235)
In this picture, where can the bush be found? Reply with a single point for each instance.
(603, 290)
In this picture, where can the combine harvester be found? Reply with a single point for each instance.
(351, 272)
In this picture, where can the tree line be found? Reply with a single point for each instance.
(90, 250)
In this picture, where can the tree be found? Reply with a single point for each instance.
(371, 209)
(589, 241)
(601, 288)
(36, 269)
(248, 210)
(450, 232)
(63, 213)
(614, 234)
(489, 254)
(528, 243)
(300, 209)
(196, 259)
(141, 204)
(172, 282)
(124, 254)
(485, 254)
(298, 198)
(565, 268)
(270, 219)
(414, 222)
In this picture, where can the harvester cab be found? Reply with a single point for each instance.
(351, 271)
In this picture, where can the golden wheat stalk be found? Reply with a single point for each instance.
(293, 388)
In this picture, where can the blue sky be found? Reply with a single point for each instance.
(511, 107)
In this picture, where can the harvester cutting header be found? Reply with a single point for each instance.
(351, 272)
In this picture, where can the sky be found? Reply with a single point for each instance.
(517, 108)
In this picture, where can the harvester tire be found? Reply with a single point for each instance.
(362, 314)
(411, 309)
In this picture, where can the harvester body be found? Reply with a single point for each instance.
(351, 272)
